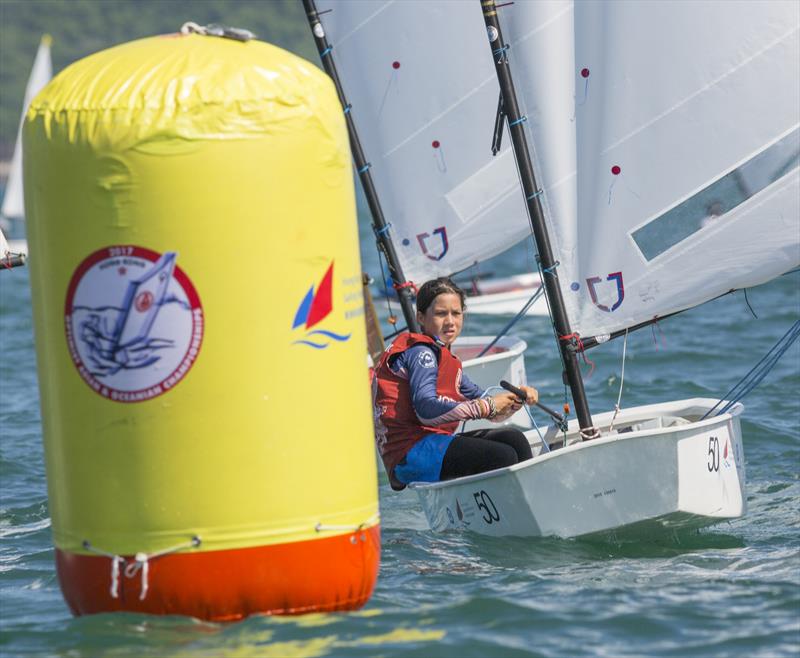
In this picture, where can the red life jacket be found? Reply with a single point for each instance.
(397, 427)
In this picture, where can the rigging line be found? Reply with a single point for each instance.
(396, 333)
(514, 320)
(756, 380)
(621, 383)
(757, 373)
(764, 369)
(545, 445)
(747, 301)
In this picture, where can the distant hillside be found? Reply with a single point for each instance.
(81, 27)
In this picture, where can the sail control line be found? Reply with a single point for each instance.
(757, 373)
(533, 193)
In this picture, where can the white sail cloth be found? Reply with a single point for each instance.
(42, 71)
(4, 248)
(666, 139)
(423, 90)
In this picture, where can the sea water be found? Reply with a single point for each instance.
(731, 590)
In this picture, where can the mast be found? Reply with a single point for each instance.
(379, 224)
(536, 216)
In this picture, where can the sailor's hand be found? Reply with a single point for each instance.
(506, 404)
(532, 393)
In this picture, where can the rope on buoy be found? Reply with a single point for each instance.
(141, 562)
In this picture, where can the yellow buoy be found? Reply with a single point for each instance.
(199, 332)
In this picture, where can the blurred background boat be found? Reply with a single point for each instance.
(12, 212)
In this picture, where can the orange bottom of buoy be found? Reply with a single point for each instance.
(320, 575)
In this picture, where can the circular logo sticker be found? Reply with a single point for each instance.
(134, 322)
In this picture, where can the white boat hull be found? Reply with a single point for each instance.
(665, 470)
(506, 296)
(506, 360)
(506, 303)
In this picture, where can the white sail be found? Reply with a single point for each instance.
(424, 105)
(4, 248)
(666, 139)
(42, 71)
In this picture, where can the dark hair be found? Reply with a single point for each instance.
(430, 290)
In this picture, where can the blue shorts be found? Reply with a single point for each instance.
(423, 463)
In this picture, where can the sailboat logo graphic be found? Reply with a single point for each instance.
(134, 322)
(315, 307)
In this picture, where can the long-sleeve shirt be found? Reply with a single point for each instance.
(420, 366)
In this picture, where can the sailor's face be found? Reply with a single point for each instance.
(443, 318)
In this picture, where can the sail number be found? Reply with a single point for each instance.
(487, 507)
(713, 454)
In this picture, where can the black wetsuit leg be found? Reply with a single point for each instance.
(484, 450)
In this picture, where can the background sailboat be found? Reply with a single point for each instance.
(677, 464)
(624, 170)
(486, 360)
(425, 117)
(12, 212)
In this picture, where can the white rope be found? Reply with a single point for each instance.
(589, 433)
(141, 561)
(116, 560)
(621, 383)
(193, 28)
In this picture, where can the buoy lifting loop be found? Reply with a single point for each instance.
(213, 30)
(192, 28)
